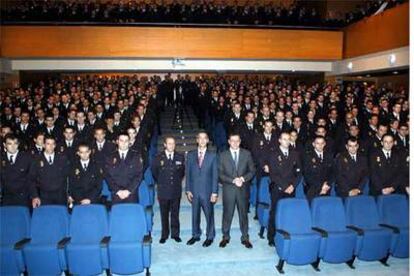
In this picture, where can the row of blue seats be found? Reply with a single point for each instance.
(261, 197)
(86, 242)
(338, 232)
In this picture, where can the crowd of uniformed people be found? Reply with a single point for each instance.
(62, 137)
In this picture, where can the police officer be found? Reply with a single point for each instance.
(85, 178)
(168, 171)
(14, 173)
(284, 168)
(124, 171)
(351, 169)
(49, 176)
(69, 144)
(38, 144)
(318, 170)
(385, 168)
(101, 147)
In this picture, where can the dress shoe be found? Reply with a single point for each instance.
(255, 217)
(247, 244)
(177, 239)
(223, 243)
(271, 243)
(193, 241)
(162, 240)
(207, 243)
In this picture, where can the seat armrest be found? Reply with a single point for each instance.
(285, 234)
(147, 240)
(393, 228)
(359, 231)
(105, 240)
(265, 205)
(63, 242)
(323, 233)
(20, 244)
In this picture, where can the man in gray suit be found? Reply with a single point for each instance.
(236, 170)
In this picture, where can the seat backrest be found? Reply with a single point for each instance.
(127, 222)
(148, 176)
(361, 211)
(88, 223)
(393, 210)
(328, 213)
(144, 194)
(14, 224)
(264, 194)
(50, 224)
(293, 215)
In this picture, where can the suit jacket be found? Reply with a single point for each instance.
(350, 174)
(15, 179)
(228, 170)
(384, 173)
(316, 171)
(202, 181)
(126, 174)
(85, 184)
(101, 155)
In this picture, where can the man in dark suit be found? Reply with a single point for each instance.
(51, 129)
(236, 170)
(284, 168)
(318, 170)
(248, 131)
(38, 144)
(402, 139)
(49, 175)
(101, 147)
(25, 130)
(124, 172)
(85, 178)
(234, 119)
(14, 173)
(351, 170)
(168, 171)
(385, 168)
(202, 188)
(83, 130)
(69, 144)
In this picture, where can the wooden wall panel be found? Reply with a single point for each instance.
(152, 42)
(384, 31)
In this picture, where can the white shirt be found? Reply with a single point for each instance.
(123, 153)
(48, 156)
(268, 136)
(201, 152)
(319, 154)
(69, 143)
(13, 156)
(84, 163)
(80, 127)
(100, 145)
(170, 155)
(23, 127)
(353, 156)
(284, 151)
(387, 153)
(250, 126)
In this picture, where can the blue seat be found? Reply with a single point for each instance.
(296, 242)
(88, 230)
(145, 201)
(300, 189)
(263, 204)
(373, 241)
(129, 248)
(44, 255)
(253, 192)
(394, 215)
(14, 233)
(337, 242)
(105, 191)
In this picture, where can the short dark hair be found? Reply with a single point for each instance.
(11, 136)
(352, 139)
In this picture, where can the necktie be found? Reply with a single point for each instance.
(286, 154)
(200, 159)
(11, 159)
(123, 156)
(320, 157)
(84, 167)
(388, 156)
(235, 158)
(354, 158)
(50, 160)
(99, 147)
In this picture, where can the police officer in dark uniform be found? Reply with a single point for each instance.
(283, 166)
(124, 172)
(49, 176)
(385, 168)
(318, 170)
(351, 169)
(85, 178)
(69, 144)
(168, 171)
(101, 147)
(38, 144)
(14, 173)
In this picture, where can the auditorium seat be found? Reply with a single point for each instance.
(145, 201)
(300, 189)
(105, 191)
(44, 254)
(253, 192)
(263, 204)
(394, 215)
(14, 233)
(337, 242)
(86, 251)
(129, 248)
(373, 241)
(296, 242)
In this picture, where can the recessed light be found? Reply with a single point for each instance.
(395, 72)
(368, 76)
(392, 59)
(350, 65)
